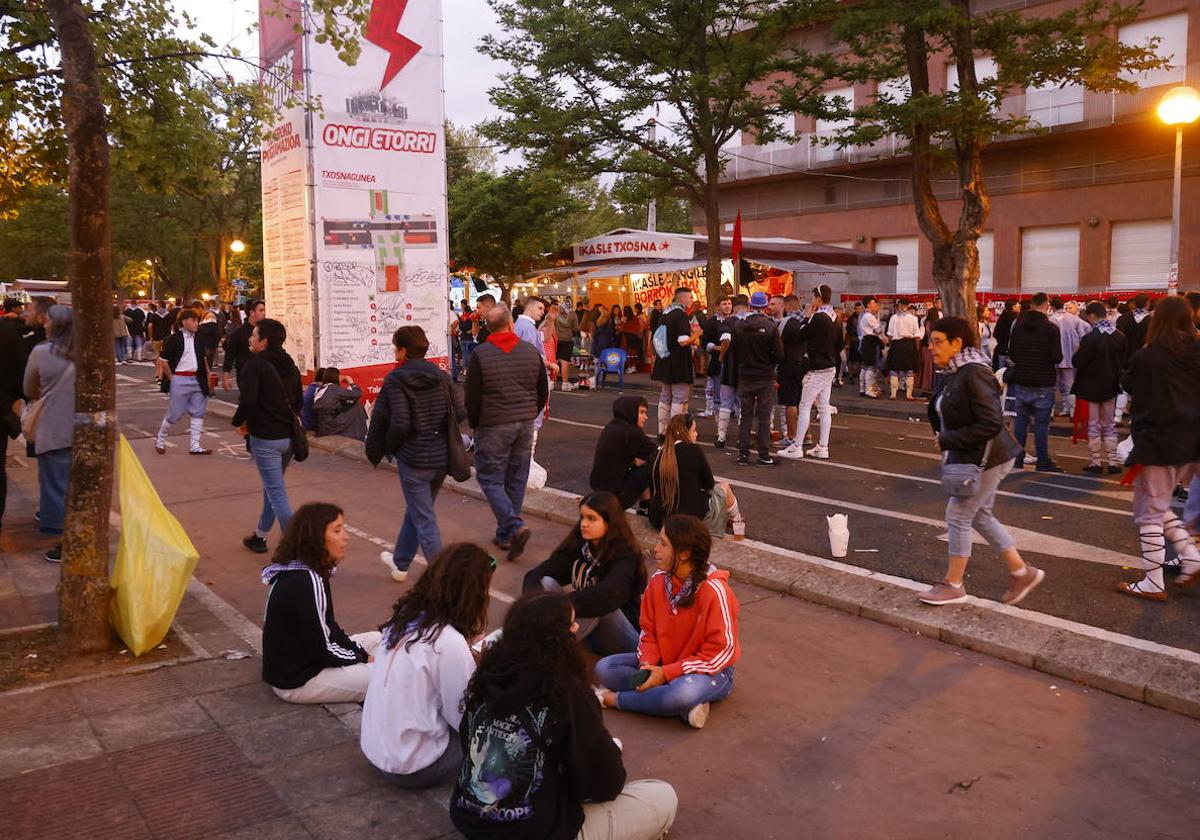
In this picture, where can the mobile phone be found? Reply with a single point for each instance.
(638, 678)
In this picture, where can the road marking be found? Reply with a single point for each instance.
(1047, 480)
(1026, 540)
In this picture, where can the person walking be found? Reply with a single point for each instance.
(1098, 364)
(1071, 329)
(137, 329)
(821, 336)
(237, 344)
(566, 326)
(673, 367)
(1003, 332)
(12, 380)
(1135, 324)
(120, 335)
(792, 367)
(269, 398)
(183, 371)
(1163, 383)
(506, 389)
(710, 339)
(757, 349)
(1035, 349)
(410, 422)
(968, 425)
(871, 341)
(904, 345)
(50, 382)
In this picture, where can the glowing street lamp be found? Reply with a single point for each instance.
(1179, 107)
(237, 246)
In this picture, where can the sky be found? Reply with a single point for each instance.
(468, 74)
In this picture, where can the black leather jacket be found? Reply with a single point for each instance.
(966, 414)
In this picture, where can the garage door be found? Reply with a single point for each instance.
(1141, 254)
(1050, 259)
(987, 262)
(904, 248)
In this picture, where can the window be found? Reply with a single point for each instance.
(985, 68)
(1172, 32)
(733, 143)
(987, 262)
(1141, 254)
(1053, 105)
(905, 249)
(830, 128)
(897, 90)
(785, 123)
(1050, 259)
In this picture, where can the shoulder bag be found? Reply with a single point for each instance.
(962, 480)
(299, 435)
(458, 462)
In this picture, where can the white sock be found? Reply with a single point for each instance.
(664, 414)
(1181, 541)
(197, 427)
(163, 430)
(735, 515)
(1153, 554)
(722, 423)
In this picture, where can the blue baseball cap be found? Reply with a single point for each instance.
(759, 300)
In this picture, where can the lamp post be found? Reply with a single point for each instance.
(1179, 107)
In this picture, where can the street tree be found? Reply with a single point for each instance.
(894, 43)
(587, 77)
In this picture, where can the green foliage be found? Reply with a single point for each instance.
(467, 152)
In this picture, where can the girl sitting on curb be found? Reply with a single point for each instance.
(689, 640)
(681, 481)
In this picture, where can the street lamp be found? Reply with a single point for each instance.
(237, 246)
(1179, 107)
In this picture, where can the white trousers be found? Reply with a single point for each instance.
(816, 389)
(644, 810)
(337, 685)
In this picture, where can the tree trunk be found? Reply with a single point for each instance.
(712, 224)
(224, 289)
(83, 592)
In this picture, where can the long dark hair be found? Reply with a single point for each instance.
(304, 538)
(666, 466)
(536, 661)
(1171, 325)
(687, 533)
(618, 540)
(452, 592)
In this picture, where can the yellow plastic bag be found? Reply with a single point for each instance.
(155, 560)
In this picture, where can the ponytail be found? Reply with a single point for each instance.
(666, 466)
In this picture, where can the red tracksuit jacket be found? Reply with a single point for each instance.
(700, 639)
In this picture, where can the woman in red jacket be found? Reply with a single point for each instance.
(689, 641)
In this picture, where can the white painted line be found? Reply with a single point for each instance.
(123, 378)
(238, 624)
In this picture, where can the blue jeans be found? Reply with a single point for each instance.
(420, 527)
(272, 457)
(975, 512)
(502, 455)
(606, 634)
(674, 698)
(120, 349)
(467, 347)
(1037, 403)
(54, 470)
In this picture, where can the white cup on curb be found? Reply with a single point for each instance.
(839, 534)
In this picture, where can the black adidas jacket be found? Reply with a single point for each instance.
(301, 637)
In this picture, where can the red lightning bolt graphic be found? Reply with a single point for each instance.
(381, 31)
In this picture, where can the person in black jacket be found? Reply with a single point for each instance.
(12, 376)
(710, 340)
(539, 762)
(1098, 364)
(137, 328)
(411, 422)
(1163, 383)
(602, 562)
(757, 349)
(237, 344)
(681, 481)
(673, 367)
(969, 429)
(1002, 332)
(307, 657)
(269, 398)
(821, 336)
(623, 453)
(1135, 324)
(183, 372)
(1035, 349)
(731, 407)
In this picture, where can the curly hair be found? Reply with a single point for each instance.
(618, 540)
(304, 538)
(537, 660)
(453, 591)
(687, 533)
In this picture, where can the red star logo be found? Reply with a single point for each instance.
(382, 31)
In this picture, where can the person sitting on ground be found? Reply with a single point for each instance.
(539, 762)
(307, 657)
(338, 406)
(689, 642)
(623, 453)
(414, 701)
(602, 561)
(308, 415)
(681, 481)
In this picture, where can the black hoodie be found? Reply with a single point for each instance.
(620, 443)
(269, 394)
(409, 420)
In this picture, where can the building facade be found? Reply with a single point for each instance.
(1083, 207)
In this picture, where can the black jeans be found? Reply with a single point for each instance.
(760, 397)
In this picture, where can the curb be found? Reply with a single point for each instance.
(1148, 672)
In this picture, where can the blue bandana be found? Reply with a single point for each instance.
(1105, 326)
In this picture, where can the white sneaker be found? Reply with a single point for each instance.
(697, 716)
(1030, 459)
(793, 453)
(820, 452)
(385, 557)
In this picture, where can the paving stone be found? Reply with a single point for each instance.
(322, 775)
(46, 705)
(994, 633)
(889, 604)
(352, 721)
(385, 814)
(219, 674)
(98, 697)
(26, 748)
(1175, 685)
(80, 799)
(243, 703)
(1106, 665)
(306, 729)
(196, 787)
(138, 725)
(37, 579)
(283, 828)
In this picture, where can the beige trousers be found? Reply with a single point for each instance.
(337, 685)
(644, 810)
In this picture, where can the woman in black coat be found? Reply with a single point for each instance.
(968, 422)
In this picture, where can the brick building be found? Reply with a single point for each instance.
(1083, 207)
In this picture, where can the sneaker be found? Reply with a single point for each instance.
(766, 460)
(1050, 468)
(1029, 459)
(706, 413)
(1022, 585)
(743, 460)
(643, 509)
(819, 452)
(784, 443)
(519, 541)
(697, 716)
(1113, 469)
(720, 443)
(795, 452)
(255, 543)
(54, 555)
(1094, 469)
(387, 559)
(944, 593)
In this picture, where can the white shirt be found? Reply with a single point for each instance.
(187, 362)
(904, 325)
(868, 324)
(413, 701)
